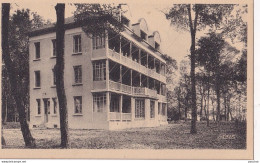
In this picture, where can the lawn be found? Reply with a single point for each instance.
(171, 136)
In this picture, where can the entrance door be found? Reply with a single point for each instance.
(46, 102)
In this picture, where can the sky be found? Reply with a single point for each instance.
(174, 43)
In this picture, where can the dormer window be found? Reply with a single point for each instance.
(157, 46)
(143, 35)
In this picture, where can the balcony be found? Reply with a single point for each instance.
(120, 87)
(128, 62)
(142, 91)
(126, 89)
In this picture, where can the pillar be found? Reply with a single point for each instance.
(139, 56)
(140, 80)
(121, 106)
(133, 108)
(147, 60)
(108, 105)
(156, 111)
(147, 111)
(120, 75)
(131, 44)
(107, 74)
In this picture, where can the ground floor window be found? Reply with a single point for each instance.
(38, 106)
(152, 103)
(99, 102)
(54, 105)
(78, 104)
(159, 108)
(163, 109)
(139, 108)
(114, 102)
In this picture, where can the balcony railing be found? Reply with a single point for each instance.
(135, 65)
(126, 116)
(116, 116)
(126, 88)
(116, 86)
(144, 91)
(115, 55)
(138, 91)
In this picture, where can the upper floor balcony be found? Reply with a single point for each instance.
(124, 89)
(111, 76)
(122, 51)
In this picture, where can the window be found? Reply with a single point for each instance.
(98, 42)
(53, 77)
(143, 35)
(139, 108)
(54, 100)
(46, 102)
(99, 71)
(163, 109)
(54, 48)
(157, 46)
(77, 44)
(37, 79)
(38, 106)
(159, 108)
(78, 74)
(99, 102)
(78, 105)
(152, 103)
(37, 50)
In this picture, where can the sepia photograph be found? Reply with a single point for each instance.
(127, 76)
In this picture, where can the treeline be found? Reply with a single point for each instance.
(219, 58)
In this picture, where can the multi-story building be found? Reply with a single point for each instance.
(111, 82)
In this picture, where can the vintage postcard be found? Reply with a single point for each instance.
(127, 79)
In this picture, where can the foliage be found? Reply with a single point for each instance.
(207, 15)
(20, 25)
(98, 18)
(170, 70)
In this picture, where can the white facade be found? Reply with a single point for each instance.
(108, 85)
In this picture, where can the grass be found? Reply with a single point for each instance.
(172, 136)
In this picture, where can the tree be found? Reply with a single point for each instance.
(205, 15)
(20, 25)
(14, 81)
(60, 31)
(170, 80)
(216, 55)
(98, 19)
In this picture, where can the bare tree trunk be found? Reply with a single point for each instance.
(2, 137)
(60, 31)
(204, 107)
(185, 110)
(28, 139)
(201, 105)
(228, 109)
(218, 95)
(225, 105)
(213, 110)
(208, 100)
(192, 71)
(179, 105)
